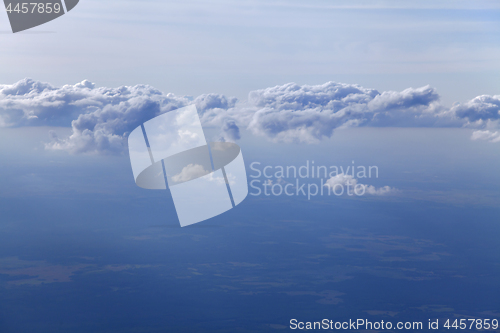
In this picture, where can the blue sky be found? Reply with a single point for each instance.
(409, 87)
(375, 71)
(229, 47)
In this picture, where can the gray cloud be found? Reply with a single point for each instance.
(214, 101)
(481, 108)
(293, 113)
(482, 113)
(101, 118)
(105, 128)
(33, 103)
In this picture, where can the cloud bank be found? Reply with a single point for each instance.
(101, 118)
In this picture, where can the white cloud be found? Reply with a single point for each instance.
(189, 172)
(308, 114)
(486, 135)
(479, 109)
(343, 181)
(101, 118)
(293, 113)
(370, 189)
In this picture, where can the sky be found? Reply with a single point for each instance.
(409, 87)
(233, 47)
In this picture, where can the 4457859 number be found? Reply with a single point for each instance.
(471, 324)
(34, 7)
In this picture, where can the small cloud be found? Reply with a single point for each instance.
(190, 172)
(230, 131)
(480, 108)
(343, 180)
(486, 135)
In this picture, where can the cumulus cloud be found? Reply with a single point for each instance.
(101, 118)
(230, 131)
(308, 114)
(480, 109)
(32, 103)
(344, 181)
(293, 113)
(482, 113)
(208, 102)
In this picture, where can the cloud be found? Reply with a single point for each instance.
(208, 102)
(105, 128)
(341, 181)
(479, 109)
(308, 114)
(33, 103)
(293, 113)
(190, 172)
(482, 113)
(101, 118)
(486, 135)
(230, 131)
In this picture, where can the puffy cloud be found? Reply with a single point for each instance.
(213, 111)
(101, 118)
(331, 95)
(32, 103)
(292, 113)
(106, 127)
(343, 181)
(208, 102)
(230, 131)
(479, 109)
(482, 113)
